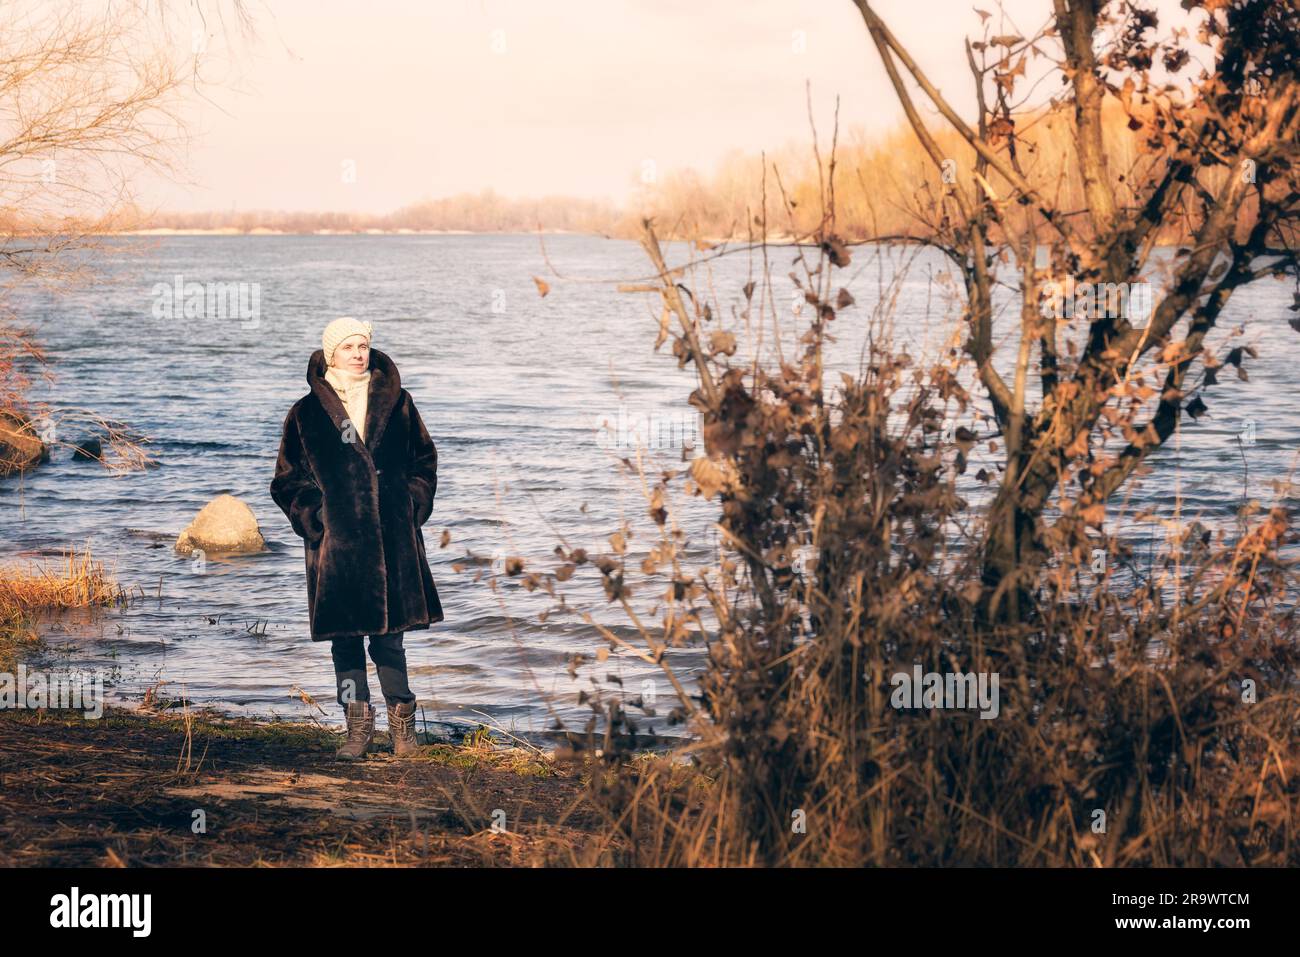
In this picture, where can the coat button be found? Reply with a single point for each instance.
(379, 471)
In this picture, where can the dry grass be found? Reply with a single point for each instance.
(80, 581)
(31, 587)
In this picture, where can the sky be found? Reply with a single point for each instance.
(368, 106)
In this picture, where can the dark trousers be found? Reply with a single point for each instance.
(350, 668)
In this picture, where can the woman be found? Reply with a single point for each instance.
(356, 477)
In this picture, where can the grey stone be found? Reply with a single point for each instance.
(225, 525)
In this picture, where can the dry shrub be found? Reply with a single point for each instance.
(1144, 720)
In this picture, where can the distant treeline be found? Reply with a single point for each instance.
(485, 211)
(884, 186)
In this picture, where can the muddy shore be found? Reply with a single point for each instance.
(135, 789)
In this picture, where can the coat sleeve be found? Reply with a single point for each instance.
(422, 468)
(294, 487)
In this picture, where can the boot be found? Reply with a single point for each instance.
(361, 730)
(401, 725)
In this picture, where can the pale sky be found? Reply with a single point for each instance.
(429, 99)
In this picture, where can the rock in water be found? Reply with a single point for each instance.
(20, 447)
(91, 450)
(224, 525)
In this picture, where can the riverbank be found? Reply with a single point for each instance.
(132, 789)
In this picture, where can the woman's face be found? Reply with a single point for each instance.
(353, 354)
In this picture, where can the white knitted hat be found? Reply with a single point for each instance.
(340, 329)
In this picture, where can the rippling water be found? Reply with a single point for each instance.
(513, 388)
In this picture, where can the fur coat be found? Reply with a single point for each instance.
(359, 505)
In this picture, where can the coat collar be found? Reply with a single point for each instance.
(385, 391)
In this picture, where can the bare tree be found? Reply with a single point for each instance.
(88, 102)
(1220, 154)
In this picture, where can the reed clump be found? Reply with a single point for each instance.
(78, 582)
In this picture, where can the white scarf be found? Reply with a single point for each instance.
(354, 389)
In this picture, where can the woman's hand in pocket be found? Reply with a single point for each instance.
(315, 525)
(421, 500)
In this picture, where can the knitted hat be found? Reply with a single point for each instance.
(340, 329)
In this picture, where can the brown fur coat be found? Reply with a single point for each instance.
(359, 506)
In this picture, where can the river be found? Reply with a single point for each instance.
(513, 388)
